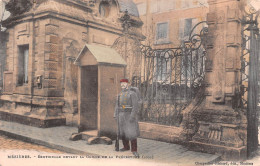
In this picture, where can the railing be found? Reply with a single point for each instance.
(170, 78)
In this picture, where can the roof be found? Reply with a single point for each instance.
(130, 6)
(102, 54)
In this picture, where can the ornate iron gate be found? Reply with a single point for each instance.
(250, 73)
(170, 78)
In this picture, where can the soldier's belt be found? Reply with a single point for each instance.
(126, 107)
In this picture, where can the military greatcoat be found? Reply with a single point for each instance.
(127, 109)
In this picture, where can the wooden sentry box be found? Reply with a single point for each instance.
(99, 70)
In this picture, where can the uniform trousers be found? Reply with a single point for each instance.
(133, 144)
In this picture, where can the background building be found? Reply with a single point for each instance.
(168, 22)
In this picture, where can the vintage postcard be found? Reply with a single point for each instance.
(129, 82)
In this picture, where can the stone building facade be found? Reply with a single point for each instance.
(44, 39)
(3, 37)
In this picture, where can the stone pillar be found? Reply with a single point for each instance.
(224, 51)
(222, 123)
(53, 60)
(49, 68)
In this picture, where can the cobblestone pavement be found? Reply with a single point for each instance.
(7, 143)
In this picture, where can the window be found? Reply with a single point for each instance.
(162, 5)
(202, 3)
(185, 27)
(104, 9)
(141, 8)
(193, 3)
(23, 58)
(166, 5)
(162, 33)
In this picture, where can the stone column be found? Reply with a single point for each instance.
(222, 123)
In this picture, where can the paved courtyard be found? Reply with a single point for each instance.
(153, 152)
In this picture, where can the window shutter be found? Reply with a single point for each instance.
(194, 22)
(181, 28)
(157, 31)
(26, 58)
(187, 27)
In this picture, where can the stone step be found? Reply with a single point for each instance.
(88, 134)
(32, 120)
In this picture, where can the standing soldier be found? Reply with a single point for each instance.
(126, 112)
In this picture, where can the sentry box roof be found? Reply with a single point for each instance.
(93, 54)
